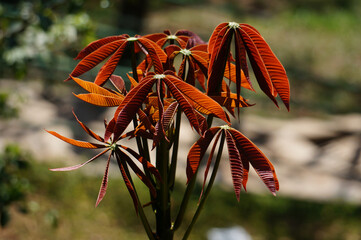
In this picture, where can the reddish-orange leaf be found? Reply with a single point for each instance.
(214, 37)
(97, 44)
(108, 68)
(201, 102)
(87, 130)
(130, 105)
(198, 150)
(218, 62)
(77, 143)
(258, 160)
(183, 102)
(274, 67)
(236, 164)
(78, 165)
(104, 185)
(258, 66)
(96, 57)
(127, 181)
(94, 88)
(138, 172)
(157, 55)
(232, 76)
(100, 100)
(209, 162)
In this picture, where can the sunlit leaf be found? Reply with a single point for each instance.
(258, 160)
(63, 169)
(104, 185)
(77, 143)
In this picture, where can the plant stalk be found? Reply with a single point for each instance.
(173, 166)
(163, 216)
(142, 215)
(208, 189)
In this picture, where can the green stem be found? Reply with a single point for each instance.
(185, 201)
(163, 217)
(173, 166)
(208, 189)
(142, 215)
(134, 62)
(209, 121)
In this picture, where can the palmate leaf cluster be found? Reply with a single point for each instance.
(161, 91)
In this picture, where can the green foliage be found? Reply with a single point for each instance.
(13, 186)
(34, 32)
(63, 207)
(6, 110)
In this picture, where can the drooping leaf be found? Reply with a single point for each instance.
(230, 73)
(258, 66)
(236, 164)
(258, 160)
(104, 185)
(184, 103)
(157, 55)
(130, 106)
(202, 102)
(138, 172)
(144, 162)
(169, 114)
(214, 37)
(209, 162)
(274, 67)
(127, 181)
(198, 150)
(217, 64)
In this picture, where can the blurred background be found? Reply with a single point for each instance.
(316, 147)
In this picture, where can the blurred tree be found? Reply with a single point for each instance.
(13, 186)
(30, 29)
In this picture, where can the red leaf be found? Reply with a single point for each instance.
(78, 165)
(138, 172)
(157, 55)
(144, 162)
(77, 143)
(103, 187)
(118, 83)
(183, 102)
(214, 37)
(217, 64)
(274, 67)
(94, 88)
(130, 105)
(209, 163)
(201, 102)
(258, 160)
(259, 68)
(108, 68)
(96, 57)
(198, 150)
(100, 100)
(87, 130)
(236, 164)
(127, 182)
(97, 44)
